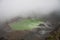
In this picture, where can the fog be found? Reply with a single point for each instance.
(25, 8)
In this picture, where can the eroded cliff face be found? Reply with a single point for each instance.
(4, 29)
(42, 32)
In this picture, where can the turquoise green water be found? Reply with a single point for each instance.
(25, 24)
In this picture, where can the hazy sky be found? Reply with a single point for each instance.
(25, 8)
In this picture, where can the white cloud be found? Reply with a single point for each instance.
(24, 8)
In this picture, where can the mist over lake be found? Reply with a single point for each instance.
(25, 8)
